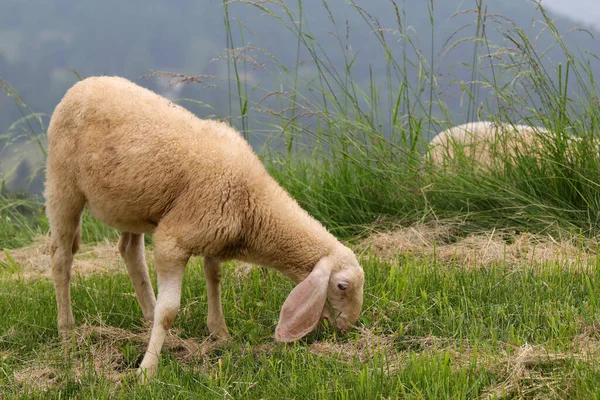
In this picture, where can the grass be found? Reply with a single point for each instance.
(21, 220)
(355, 150)
(428, 330)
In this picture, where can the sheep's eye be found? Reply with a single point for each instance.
(342, 286)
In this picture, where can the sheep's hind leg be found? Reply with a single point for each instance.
(215, 320)
(131, 247)
(64, 214)
(170, 266)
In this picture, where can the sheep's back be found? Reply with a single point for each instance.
(482, 138)
(133, 153)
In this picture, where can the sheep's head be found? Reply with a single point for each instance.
(332, 291)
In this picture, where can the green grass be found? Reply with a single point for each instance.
(444, 332)
(21, 220)
(360, 164)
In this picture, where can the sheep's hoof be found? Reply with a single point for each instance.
(66, 326)
(144, 374)
(65, 335)
(65, 332)
(221, 336)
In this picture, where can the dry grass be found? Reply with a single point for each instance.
(439, 241)
(480, 250)
(109, 352)
(364, 347)
(413, 240)
(524, 371)
(113, 354)
(242, 271)
(37, 377)
(107, 347)
(394, 351)
(529, 371)
(102, 257)
(91, 258)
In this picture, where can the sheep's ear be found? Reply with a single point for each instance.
(302, 309)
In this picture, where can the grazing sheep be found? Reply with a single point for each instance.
(478, 140)
(145, 165)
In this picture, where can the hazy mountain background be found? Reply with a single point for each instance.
(583, 11)
(41, 41)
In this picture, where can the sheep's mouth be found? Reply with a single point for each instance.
(339, 322)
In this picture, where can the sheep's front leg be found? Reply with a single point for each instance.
(215, 320)
(170, 267)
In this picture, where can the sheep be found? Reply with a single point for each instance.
(143, 165)
(479, 140)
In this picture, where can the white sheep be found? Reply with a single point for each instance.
(145, 165)
(480, 140)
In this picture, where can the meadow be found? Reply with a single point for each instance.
(479, 283)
